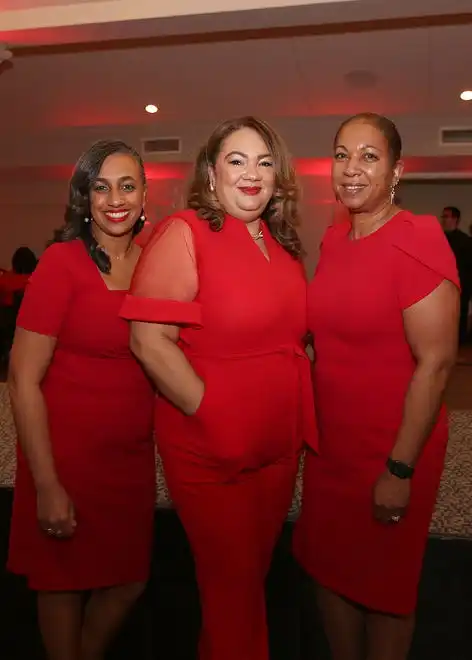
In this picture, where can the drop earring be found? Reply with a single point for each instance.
(392, 192)
(86, 220)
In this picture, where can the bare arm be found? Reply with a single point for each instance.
(155, 346)
(431, 330)
(30, 359)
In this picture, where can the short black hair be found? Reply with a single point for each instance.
(385, 126)
(24, 261)
(454, 211)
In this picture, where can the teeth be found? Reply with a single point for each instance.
(121, 214)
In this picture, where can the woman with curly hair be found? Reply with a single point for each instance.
(83, 407)
(218, 304)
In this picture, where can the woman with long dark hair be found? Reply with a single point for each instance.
(85, 486)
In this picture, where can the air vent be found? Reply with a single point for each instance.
(456, 136)
(166, 145)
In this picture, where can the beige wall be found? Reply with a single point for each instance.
(432, 196)
(30, 211)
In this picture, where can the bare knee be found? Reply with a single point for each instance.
(125, 593)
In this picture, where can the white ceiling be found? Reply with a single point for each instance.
(418, 74)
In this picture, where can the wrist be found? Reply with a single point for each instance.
(399, 469)
(45, 484)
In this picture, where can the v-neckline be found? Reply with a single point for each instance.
(99, 275)
(265, 234)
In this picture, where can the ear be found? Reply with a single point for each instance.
(398, 172)
(211, 177)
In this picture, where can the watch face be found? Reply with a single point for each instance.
(399, 469)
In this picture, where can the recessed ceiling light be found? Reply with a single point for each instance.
(152, 109)
(466, 95)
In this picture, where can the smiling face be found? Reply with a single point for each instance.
(363, 173)
(117, 195)
(243, 177)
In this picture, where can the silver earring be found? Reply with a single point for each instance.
(392, 192)
(87, 220)
(143, 218)
(212, 187)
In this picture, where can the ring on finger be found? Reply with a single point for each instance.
(53, 532)
(395, 519)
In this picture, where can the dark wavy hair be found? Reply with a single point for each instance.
(281, 214)
(86, 171)
(382, 124)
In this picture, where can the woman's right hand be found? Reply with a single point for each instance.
(56, 514)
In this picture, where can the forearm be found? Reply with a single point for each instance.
(422, 404)
(31, 421)
(171, 373)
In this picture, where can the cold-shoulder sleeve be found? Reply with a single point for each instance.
(423, 259)
(165, 282)
(48, 293)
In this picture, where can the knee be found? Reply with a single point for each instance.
(126, 593)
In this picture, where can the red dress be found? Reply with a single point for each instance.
(100, 409)
(231, 467)
(361, 374)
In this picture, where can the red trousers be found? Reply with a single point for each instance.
(232, 527)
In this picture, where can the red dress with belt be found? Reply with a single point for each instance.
(100, 411)
(231, 467)
(362, 371)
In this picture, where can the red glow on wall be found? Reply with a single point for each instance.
(305, 167)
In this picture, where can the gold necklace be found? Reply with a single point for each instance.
(257, 237)
(115, 257)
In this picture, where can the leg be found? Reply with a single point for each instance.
(389, 637)
(232, 529)
(60, 622)
(104, 614)
(344, 625)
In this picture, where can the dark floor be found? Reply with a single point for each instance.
(165, 623)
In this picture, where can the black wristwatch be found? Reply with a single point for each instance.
(399, 469)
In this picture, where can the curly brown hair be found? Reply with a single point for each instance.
(281, 213)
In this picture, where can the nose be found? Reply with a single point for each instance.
(251, 172)
(351, 166)
(116, 197)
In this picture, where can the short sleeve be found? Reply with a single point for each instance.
(48, 293)
(165, 282)
(423, 259)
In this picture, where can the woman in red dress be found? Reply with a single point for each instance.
(83, 407)
(218, 302)
(383, 310)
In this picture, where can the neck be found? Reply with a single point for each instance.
(114, 246)
(364, 224)
(254, 226)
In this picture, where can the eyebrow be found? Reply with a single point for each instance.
(363, 146)
(121, 179)
(240, 153)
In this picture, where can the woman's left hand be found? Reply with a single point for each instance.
(391, 497)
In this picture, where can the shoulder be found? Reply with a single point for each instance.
(422, 238)
(418, 233)
(335, 232)
(62, 253)
(61, 259)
